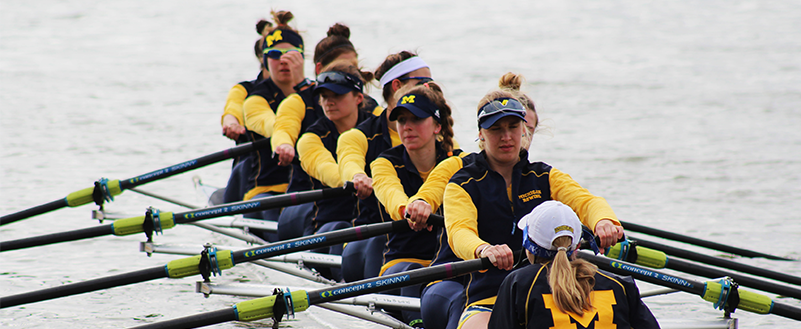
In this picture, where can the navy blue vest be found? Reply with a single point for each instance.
(376, 129)
(265, 170)
(422, 244)
(497, 216)
(336, 209)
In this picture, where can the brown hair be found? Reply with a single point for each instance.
(571, 281)
(433, 92)
(281, 19)
(388, 63)
(336, 43)
(348, 67)
(261, 26)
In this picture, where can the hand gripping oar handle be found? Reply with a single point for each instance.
(115, 187)
(222, 260)
(722, 294)
(697, 242)
(271, 306)
(157, 221)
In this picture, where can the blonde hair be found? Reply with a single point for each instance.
(509, 85)
(571, 281)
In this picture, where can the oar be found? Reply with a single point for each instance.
(725, 263)
(158, 221)
(723, 294)
(213, 261)
(698, 242)
(106, 190)
(297, 301)
(658, 259)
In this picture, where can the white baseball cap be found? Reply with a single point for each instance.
(548, 221)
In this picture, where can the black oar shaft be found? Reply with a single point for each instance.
(134, 225)
(162, 173)
(718, 262)
(226, 259)
(195, 321)
(786, 311)
(42, 240)
(263, 307)
(403, 279)
(318, 241)
(698, 242)
(40, 209)
(271, 202)
(744, 280)
(709, 291)
(84, 287)
(194, 164)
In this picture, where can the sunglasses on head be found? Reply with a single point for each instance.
(422, 79)
(276, 53)
(340, 78)
(501, 105)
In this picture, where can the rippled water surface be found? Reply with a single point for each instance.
(684, 115)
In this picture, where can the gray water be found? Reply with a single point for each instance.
(684, 115)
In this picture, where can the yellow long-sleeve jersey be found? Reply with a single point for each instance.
(480, 208)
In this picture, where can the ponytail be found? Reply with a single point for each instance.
(571, 281)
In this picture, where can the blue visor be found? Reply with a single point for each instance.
(418, 104)
(338, 82)
(499, 108)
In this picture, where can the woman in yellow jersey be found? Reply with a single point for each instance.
(283, 53)
(425, 127)
(560, 291)
(340, 88)
(293, 119)
(233, 124)
(484, 201)
(358, 147)
(442, 302)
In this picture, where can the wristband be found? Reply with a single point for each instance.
(304, 83)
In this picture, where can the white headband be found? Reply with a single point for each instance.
(402, 68)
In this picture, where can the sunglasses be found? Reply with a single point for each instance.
(340, 78)
(422, 79)
(502, 105)
(276, 53)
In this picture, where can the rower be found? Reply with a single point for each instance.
(358, 147)
(301, 111)
(340, 89)
(442, 302)
(559, 290)
(233, 122)
(283, 53)
(425, 127)
(484, 201)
